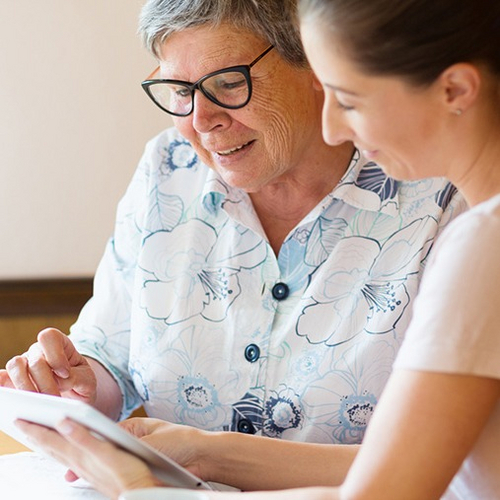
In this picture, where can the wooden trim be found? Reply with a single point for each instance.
(44, 296)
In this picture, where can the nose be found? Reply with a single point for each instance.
(335, 128)
(207, 115)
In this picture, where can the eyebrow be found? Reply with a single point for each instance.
(340, 89)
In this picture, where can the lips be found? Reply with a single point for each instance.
(228, 152)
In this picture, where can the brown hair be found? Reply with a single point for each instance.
(414, 39)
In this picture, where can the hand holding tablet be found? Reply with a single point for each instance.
(49, 410)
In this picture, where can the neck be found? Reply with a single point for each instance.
(282, 204)
(475, 168)
(480, 179)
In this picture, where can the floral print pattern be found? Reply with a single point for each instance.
(186, 286)
(369, 287)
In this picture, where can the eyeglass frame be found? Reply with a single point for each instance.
(244, 69)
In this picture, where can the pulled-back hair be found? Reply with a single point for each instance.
(414, 39)
(272, 20)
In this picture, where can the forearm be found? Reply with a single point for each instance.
(252, 462)
(108, 395)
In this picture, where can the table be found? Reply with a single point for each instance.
(9, 445)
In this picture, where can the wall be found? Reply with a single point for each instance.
(73, 124)
(18, 333)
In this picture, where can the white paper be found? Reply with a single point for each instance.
(28, 475)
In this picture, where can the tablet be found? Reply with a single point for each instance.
(49, 410)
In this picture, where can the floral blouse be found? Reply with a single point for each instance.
(200, 322)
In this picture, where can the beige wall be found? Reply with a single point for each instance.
(73, 124)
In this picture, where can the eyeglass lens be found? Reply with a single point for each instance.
(228, 89)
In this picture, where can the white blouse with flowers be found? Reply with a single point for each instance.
(200, 322)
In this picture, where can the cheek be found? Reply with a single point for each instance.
(274, 122)
(413, 136)
(277, 136)
(380, 130)
(185, 127)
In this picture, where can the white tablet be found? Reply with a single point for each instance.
(49, 410)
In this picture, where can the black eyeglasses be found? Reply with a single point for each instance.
(229, 88)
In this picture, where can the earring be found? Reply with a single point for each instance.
(458, 112)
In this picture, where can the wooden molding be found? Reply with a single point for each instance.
(44, 296)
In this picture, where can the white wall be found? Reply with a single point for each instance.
(73, 124)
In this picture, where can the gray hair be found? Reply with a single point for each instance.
(272, 20)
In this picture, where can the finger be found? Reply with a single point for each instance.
(142, 426)
(84, 381)
(80, 436)
(41, 373)
(57, 349)
(47, 439)
(135, 426)
(55, 445)
(109, 469)
(18, 372)
(73, 376)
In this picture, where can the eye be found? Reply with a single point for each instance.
(233, 84)
(344, 107)
(182, 92)
(227, 82)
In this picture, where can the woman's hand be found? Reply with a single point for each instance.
(113, 471)
(109, 469)
(52, 366)
(182, 443)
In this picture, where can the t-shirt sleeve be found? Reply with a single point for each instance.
(455, 325)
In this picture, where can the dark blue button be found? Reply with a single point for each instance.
(252, 353)
(280, 291)
(246, 427)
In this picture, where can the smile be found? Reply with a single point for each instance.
(233, 150)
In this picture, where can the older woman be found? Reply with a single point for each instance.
(259, 280)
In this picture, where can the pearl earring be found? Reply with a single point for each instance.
(458, 112)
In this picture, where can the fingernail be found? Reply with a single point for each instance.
(65, 426)
(62, 373)
(19, 423)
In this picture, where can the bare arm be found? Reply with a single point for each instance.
(244, 461)
(251, 462)
(423, 428)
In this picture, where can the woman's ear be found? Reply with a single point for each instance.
(461, 83)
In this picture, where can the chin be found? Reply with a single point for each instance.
(396, 170)
(237, 181)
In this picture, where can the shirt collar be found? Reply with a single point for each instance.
(216, 192)
(364, 185)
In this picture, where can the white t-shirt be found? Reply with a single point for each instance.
(456, 329)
